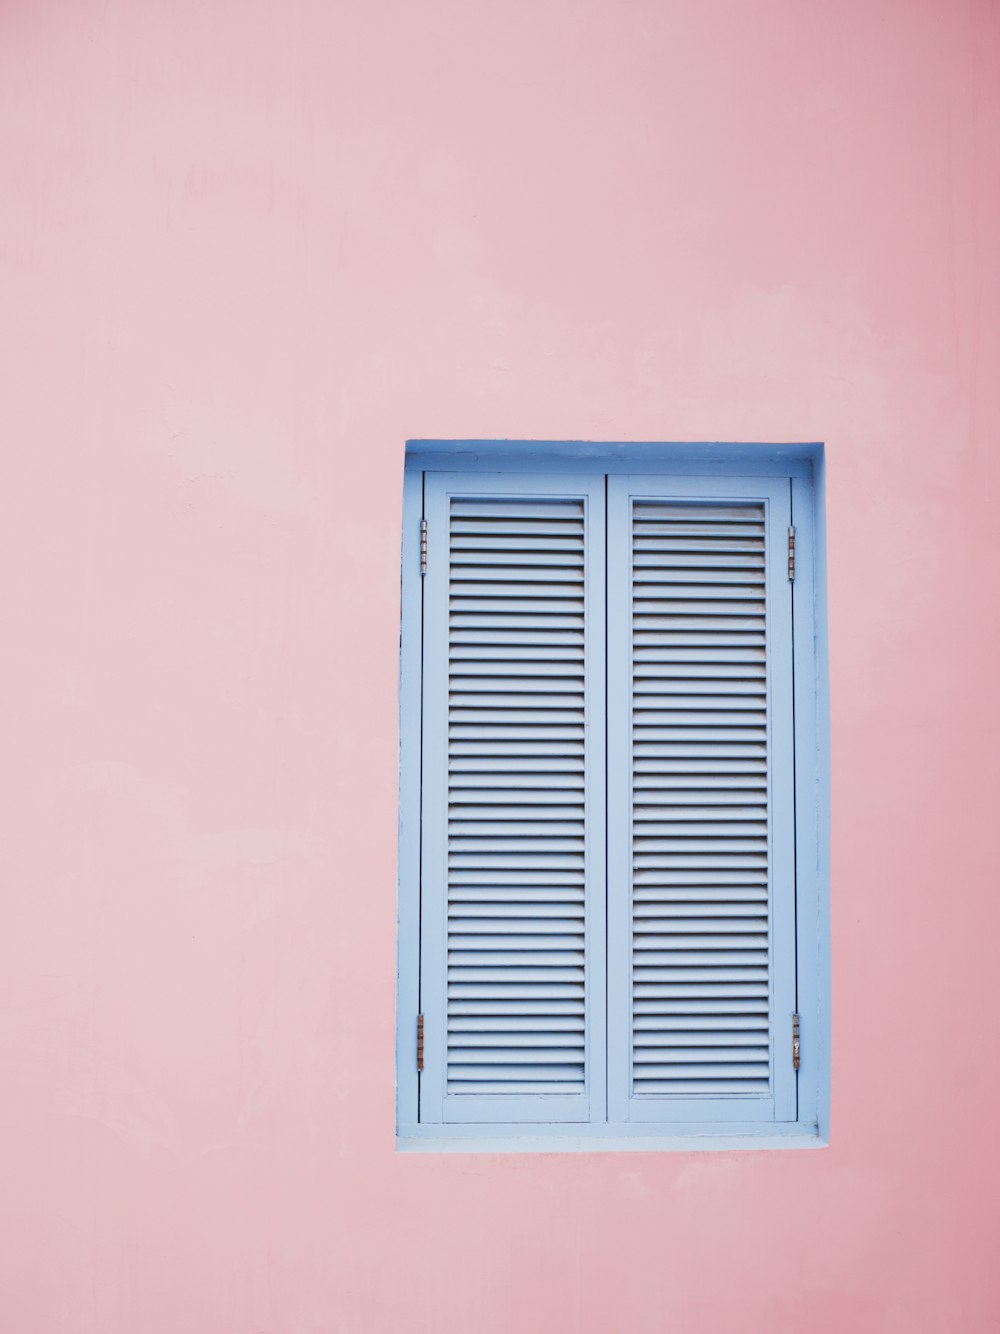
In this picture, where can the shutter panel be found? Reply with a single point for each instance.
(512, 966)
(701, 851)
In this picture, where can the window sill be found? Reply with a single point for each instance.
(606, 1139)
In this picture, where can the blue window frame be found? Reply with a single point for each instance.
(613, 829)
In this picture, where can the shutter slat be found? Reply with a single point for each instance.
(547, 674)
(519, 900)
(525, 1052)
(507, 1086)
(550, 915)
(751, 1053)
(476, 510)
(464, 829)
(469, 804)
(698, 1028)
(510, 1008)
(506, 619)
(706, 1087)
(523, 878)
(508, 548)
(485, 526)
(472, 948)
(725, 805)
(534, 638)
(704, 556)
(503, 770)
(515, 580)
(698, 679)
(550, 1044)
(686, 917)
(653, 591)
(699, 991)
(500, 993)
(678, 1010)
(664, 646)
(552, 732)
(543, 1025)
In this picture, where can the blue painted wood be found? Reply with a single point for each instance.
(775, 1101)
(679, 1137)
(458, 726)
(408, 872)
(617, 456)
(812, 786)
(556, 465)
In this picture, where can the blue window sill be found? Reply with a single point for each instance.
(469, 1139)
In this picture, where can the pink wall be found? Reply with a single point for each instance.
(247, 248)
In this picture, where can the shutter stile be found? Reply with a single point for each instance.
(700, 917)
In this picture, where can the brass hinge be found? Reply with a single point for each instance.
(791, 553)
(423, 546)
(420, 1041)
(796, 1046)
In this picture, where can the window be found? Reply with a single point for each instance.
(612, 925)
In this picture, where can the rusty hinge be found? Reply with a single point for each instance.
(796, 1046)
(420, 1041)
(423, 546)
(791, 553)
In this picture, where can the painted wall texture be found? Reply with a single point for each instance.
(246, 249)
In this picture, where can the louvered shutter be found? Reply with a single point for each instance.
(700, 800)
(513, 857)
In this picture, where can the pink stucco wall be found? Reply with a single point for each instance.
(245, 250)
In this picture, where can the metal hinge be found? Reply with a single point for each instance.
(420, 1041)
(791, 553)
(423, 546)
(796, 1045)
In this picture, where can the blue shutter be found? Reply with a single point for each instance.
(513, 855)
(701, 920)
